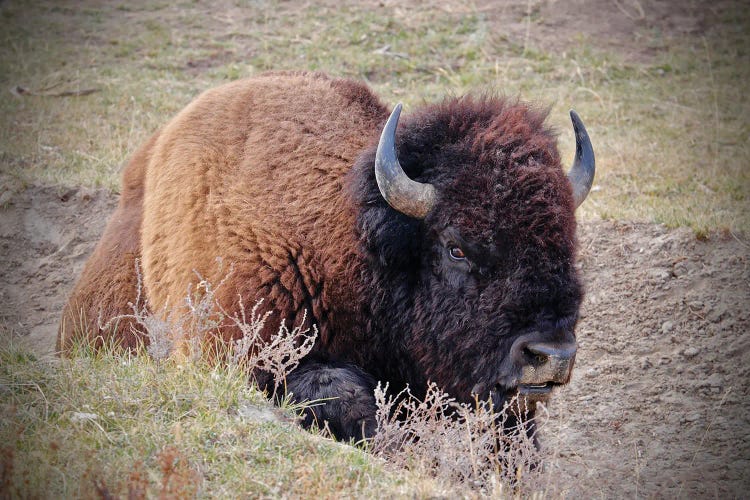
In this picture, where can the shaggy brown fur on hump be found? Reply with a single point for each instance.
(249, 173)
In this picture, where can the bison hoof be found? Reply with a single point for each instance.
(340, 396)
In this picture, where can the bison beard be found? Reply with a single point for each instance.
(443, 251)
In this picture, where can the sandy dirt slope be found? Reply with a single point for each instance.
(660, 400)
(659, 404)
(46, 234)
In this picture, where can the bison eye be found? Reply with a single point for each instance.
(456, 254)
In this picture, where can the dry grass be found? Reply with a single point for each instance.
(671, 132)
(112, 423)
(470, 446)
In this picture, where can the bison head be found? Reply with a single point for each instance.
(467, 222)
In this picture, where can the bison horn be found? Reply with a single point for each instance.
(581, 174)
(409, 197)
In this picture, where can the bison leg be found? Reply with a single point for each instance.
(342, 395)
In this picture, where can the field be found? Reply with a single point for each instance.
(659, 404)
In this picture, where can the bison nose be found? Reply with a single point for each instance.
(548, 362)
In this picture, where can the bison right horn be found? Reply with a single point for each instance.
(409, 197)
(581, 174)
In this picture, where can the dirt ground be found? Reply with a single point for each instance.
(659, 404)
(660, 400)
(636, 29)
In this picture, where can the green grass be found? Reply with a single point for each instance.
(670, 133)
(123, 424)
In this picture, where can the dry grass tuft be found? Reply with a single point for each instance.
(177, 478)
(462, 444)
(185, 329)
(190, 328)
(280, 355)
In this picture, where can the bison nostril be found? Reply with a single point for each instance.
(548, 362)
(534, 358)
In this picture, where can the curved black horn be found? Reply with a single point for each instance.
(409, 197)
(581, 174)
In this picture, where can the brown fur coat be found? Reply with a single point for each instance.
(250, 173)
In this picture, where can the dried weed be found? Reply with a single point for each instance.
(280, 355)
(472, 446)
(457, 443)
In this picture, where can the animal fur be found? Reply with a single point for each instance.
(274, 176)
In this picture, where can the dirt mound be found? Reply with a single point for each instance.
(660, 400)
(658, 405)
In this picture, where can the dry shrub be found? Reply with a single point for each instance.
(474, 446)
(137, 482)
(193, 325)
(189, 326)
(178, 478)
(7, 459)
(281, 354)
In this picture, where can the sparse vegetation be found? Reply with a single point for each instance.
(111, 422)
(462, 445)
(670, 130)
(671, 135)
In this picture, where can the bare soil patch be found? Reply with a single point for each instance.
(635, 29)
(46, 235)
(659, 403)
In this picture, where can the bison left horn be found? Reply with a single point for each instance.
(409, 197)
(581, 174)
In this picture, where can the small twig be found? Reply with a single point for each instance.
(385, 50)
(703, 438)
(743, 243)
(21, 91)
(579, 73)
(638, 7)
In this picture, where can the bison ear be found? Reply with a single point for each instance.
(392, 240)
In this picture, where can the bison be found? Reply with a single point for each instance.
(436, 249)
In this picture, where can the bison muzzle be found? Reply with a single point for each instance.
(438, 248)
